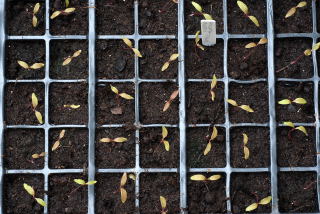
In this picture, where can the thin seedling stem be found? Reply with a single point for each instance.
(291, 63)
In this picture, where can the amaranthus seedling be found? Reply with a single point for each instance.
(209, 145)
(168, 5)
(254, 206)
(72, 106)
(123, 95)
(83, 183)
(67, 3)
(293, 10)
(172, 97)
(243, 107)
(115, 140)
(246, 150)
(171, 59)
(31, 192)
(64, 12)
(164, 135)
(200, 177)
(244, 8)
(33, 66)
(200, 11)
(36, 156)
(123, 191)
(129, 44)
(298, 100)
(69, 58)
(34, 18)
(57, 144)
(34, 100)
(212, 87)
(262, 41)
(307, 52)
(197, 40)
(163, 202)
(300, 128)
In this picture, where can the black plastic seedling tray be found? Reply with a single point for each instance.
(183, 171)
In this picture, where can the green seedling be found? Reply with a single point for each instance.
(165, 142)
(81, 184)
(209, 145)
(168, 103)
(212, 87)
(69, 58)
(35, 102)
(243, 107)
(246, 150)
(67, 3)
(253, 46)
(115, 140)
(298, 100)
(197, 40)
(200, 177)
(36, 156)
(172, 58)
(34, 18)
(72, 106)
(293, 10)
(254, 206)
(32, 192)
(34, 66)
(129, 44)
(64, 12)
(307, 52)
(300, 128)
(244, 8)
(163, 202)
(123, 191)
(168, 5)
(200, 11)
(57, 144)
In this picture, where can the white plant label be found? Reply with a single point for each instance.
(209, 32)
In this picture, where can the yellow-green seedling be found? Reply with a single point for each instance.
(34, 66)
(84, 183)
(298, 100)
(200, 11)
(172, 97)
(246, 150)
(299, 128)
(293, 10)
(197, 40)
(34, 18)
(168, 5)
(73, 106)
(243, 107)
(64, 12)
(115, 140)
(165, 142)
(132, 177)
(123, 191)
(253, 46)
(163, 203)
(57, 144)
(244, 8)
(129, 44)
(35, 102)
(306, 52)
(32, 192)
(209, 145)
(123, 95)
(172, 58)
(212, 87)
(263, 201)
(67, 3)
(200, 177)
(69, 58)
(36, 156)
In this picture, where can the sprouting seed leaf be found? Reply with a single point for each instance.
(200, 46)
(232, 102)
(316, 46)
(214, 177)
(265, 200)
(114, 89)
(137, 52)
(66, 61)
(254, 20)
(245, 138)
(207, 149)
(246, 108)
(165, 66)
(197, 6)
(299, 100)
(23, 64)
(35, 156)
(77, 53)
(37, 66)
(36, 8)
(67, 3)
(302, 4)
(166, 145)
(166, 106)
(198, 177)
(91, 182)
(128, 42)
(120, 139)
(55, 14)
(174, 94)
(214, 133)
(246, 152)
(284, 102)
(243, 7)
(251, 45)
(34, 21)
(263, 41)
(288, 123)
(124, 195)
(301, 128)
(42, 154)
(29, 189)
(34, 100)
(72, 106)
(197, 38)
(213, 95)
(132, 177)
(214, 81)
(307, 52)
(164, 132)
(291, 12)
(207, 16)
(69, 10)
(39, 117)
(163, 202)
(123, 180)
(55, 145)
(41, 202)
(126, 96)
(105, 140)
(252, 207)
(174, 57)
(79, 181)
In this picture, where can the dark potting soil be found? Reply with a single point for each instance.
(297, 192)
(73, 150)
(300, 22)
(68, 94)
(16, 199)
(295, 149)
(19, 18)
(62, 49)
(115, 155)
(207, 196)
(203, 64)
(155, 54)
(256, 96)
(152, 151)
(114, 60)
(288, 50)
(66, 196)
(258, 144)
(200, 107)
(20, 145)
(28, 51)
(247, 64)
(117, 22)
(152, 100)
(151, 21)
(238, 23)
(75, 23)
(18, 107)
(249, 188)
(108, 198)
(295, 112)
(193, 17)
(154, 185)
(113, 109)
(197, 140)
